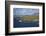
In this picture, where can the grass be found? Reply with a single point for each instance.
(29, 18)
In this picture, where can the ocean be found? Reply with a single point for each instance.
(18, 24)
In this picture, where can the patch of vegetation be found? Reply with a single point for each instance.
(29, 18)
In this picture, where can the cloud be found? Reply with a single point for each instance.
(25, 11)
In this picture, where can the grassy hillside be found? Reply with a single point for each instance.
(29, 18)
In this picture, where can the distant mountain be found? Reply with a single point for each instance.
(35, 14)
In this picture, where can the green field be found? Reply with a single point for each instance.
(29, 18)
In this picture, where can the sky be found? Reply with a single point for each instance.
(25, 11)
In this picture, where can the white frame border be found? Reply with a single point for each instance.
(29, 28)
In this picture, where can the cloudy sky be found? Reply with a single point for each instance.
(25, 11)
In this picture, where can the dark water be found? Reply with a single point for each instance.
(22, 24)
